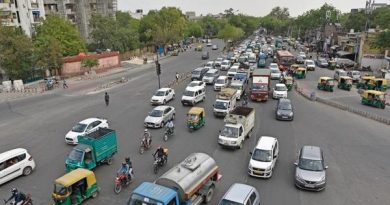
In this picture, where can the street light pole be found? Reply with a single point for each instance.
(158, 67)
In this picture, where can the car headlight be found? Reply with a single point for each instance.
(298, 178)
(250, 166)
(278, 113)
(268, 168)
(234, 142)
(290, 114)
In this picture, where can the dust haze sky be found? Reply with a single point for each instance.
(251, 7)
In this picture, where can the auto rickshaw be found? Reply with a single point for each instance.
(332, 64)
(199, 47)
(288, 81)
(195, 118)
(379, 84)
(363, 82)
(294, 67)
(345, 83)
(300, 73)
(175, 52)
(75, 187)
(374, 98)
(325, 83)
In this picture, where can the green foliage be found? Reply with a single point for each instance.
(194, 29)
(167, 25)
(16, 53)
(277, 20)
(211, 25)
(230, 32)
(381, 17)
(247, 23)
(64, 32)
(382, 41)
(119, 35)
(280, 13)
(356, 21)
(89, 63)
(49, 54)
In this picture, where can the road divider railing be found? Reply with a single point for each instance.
(112, 84)
(309, 95)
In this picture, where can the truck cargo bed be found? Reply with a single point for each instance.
(245, 111)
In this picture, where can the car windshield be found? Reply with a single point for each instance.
(193, 117)
(309, 63)
(209, 74)
(193, 84)
(136, 199)
(233, 70)
(230, 132)
(342, 74)
(220, 81)
(275, 71)
(285, 106)
(59, 189)
(237, 87)
(323, 61)
(195, 72)
(259, 87)
(160, 93)
(79, 128)
(273, 67)
(221, 105)
(76, 155)
(228, 202)
(280, 88)
(156, 113)
(189, 93)
(224, 63)
(311, 165)
(262, 155)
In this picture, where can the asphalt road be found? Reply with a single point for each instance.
(356, 149)
(351, 98)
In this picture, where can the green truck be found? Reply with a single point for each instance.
(93, 149)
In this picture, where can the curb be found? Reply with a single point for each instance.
(344, 107)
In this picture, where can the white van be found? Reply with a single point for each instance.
(210, 76)
(14, 163)
(193, 95)
(264, 157)
(221, 82)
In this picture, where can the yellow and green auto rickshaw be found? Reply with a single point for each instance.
(75, 187)
(294, 67)
(325, 83)
(175, 52)
(288, 81)
(363, 82)
(374, 98)
(379, 84)
(300, 73)
(195, 118)
(199, 47)
(345, 83)
(332, 64)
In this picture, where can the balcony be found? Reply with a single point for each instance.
(5, 6)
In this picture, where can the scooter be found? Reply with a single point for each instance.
(168, 133)
(144, 145)
(27, 201)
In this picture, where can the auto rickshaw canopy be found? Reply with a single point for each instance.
(301, 69)
(196, 110)
(368, 77)
(321, 79)
(76, 175)
(294, 66)
(346, 78)
(372, 92)
(384, 81)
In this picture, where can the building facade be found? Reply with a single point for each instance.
(25, 14)
(80, 12)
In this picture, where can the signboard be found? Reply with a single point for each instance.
(260, 79)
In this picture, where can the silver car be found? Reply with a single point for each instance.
(241, 194)
(310, 171)
(159, 116)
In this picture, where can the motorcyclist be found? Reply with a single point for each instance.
(171, 127)
(147, 137)
(18, 196)
(124, 170)
(130, 164)
(160, 154)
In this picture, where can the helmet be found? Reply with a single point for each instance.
(13, 190)
(127, 159)
(146, 130)
(159, 147)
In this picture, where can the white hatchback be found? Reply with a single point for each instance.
(263, 158)
(280, 91)
(162, 96)
(84, 127)
(14, 163)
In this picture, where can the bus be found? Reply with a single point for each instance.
(284, 59)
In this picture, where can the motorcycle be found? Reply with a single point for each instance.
(144, 145)
(27, 201)
(121, 180)
(158, 162)
(168, 133)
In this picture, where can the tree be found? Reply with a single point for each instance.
(356, 21)
(210, 25)
(194, 29)
(230, 32)
(16, 53)
(280, 13)
(89, 63)
(64, 32)
(49, 55)
(381, 17)
(382, 41)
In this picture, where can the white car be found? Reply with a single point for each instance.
(84, 127)
(302, 54)
(14, 163)
(275, 74)
(232, 71)
(159, 116)
(264, 157)
(273, 66)
(197, 83)
(162, 96)
(310, 65)
(225, 65)
(280, 91)
(209, 65)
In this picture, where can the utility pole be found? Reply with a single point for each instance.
(158, 67)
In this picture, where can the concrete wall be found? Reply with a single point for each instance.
(72, 65)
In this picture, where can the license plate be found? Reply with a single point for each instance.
(257, 172)
(309, 185)
(284, 117)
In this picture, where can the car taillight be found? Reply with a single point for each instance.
(30, 158)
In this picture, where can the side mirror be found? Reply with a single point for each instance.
(213, 105)
(219, 131)
(296, 163)
(326, 167)
(250, 153)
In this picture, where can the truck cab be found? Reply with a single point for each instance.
(239, 86)
(225, 102)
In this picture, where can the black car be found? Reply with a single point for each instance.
(205, 55)
(322, 63)
(284, 110)
(299, 60)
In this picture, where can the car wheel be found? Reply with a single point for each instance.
(164, 102)
(27, 171)
(162, 125)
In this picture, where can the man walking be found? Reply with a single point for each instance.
(177, 76)
(107, 98)
(64, 84)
